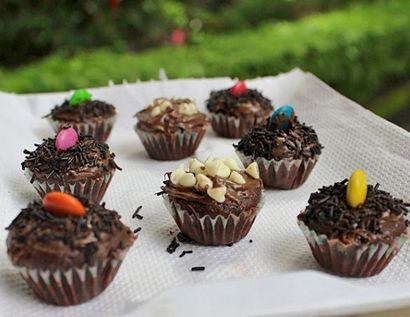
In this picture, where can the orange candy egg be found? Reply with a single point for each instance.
(63, 204)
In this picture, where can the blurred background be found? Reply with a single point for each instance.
(359, 47)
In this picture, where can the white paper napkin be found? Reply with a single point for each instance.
(352, 136)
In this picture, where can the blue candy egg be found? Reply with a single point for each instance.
(281, 117)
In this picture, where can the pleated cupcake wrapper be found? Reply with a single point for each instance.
(176, 146)
(283, 174)
(352, 260)
(93, 188)
(73, 286)
(206, 230)
(100, 128)
(232, 127)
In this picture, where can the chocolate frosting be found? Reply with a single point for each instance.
(238, 198)
(38, 239)
(82, 112)
(171, 120)
(251, 103)
(87, 158)
(381, 218)
(299, 141)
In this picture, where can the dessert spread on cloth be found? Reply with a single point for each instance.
(68, 247)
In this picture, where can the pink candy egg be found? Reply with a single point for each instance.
(66, 138)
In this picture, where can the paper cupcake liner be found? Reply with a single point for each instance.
(176, 146)
(73, 286)
(99, 128)
(232, 127)
(93, 188)
(352, 260)
(206, 230)
(283, 174)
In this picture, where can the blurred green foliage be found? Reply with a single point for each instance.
(357, 50)
(244, 14)
(396, 100)
(30, 29)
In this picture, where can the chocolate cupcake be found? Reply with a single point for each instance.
(171, 129)
(86, 116)
(285, 149)
(67, 249)
(354, 229)
(70, 163)
(214, 203)
(236, 110)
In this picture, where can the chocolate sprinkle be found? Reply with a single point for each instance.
(137, 230)
(328, 213)
(136, 215)
(87, 153)
(197, 268)
(299, 141)
(81, 112)
(185, 252)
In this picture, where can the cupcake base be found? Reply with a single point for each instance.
(232, 127)
(73, 286)
(176, 146)
(93, 188)
(99, 128)
(213, 231)
(352, 260)
(283, 174)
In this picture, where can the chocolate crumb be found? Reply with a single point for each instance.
(250, 241)
(185, 252)
(173, 246)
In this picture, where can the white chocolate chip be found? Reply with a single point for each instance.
(176, 175)
(209, 159)
(223, 171)
(155, 111)
(164, 105)
(159, 100)
(212, 167)
(195, 166)
(194, 109)
(188, 109)
(203, 183)
(187, 180)
(231, 163)
(237, 178)
(253, 170)
(216, 167)
(217, 193)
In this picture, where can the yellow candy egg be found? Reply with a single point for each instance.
(357, 189)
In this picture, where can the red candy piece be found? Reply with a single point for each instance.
(63, 204)
(239, 88)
